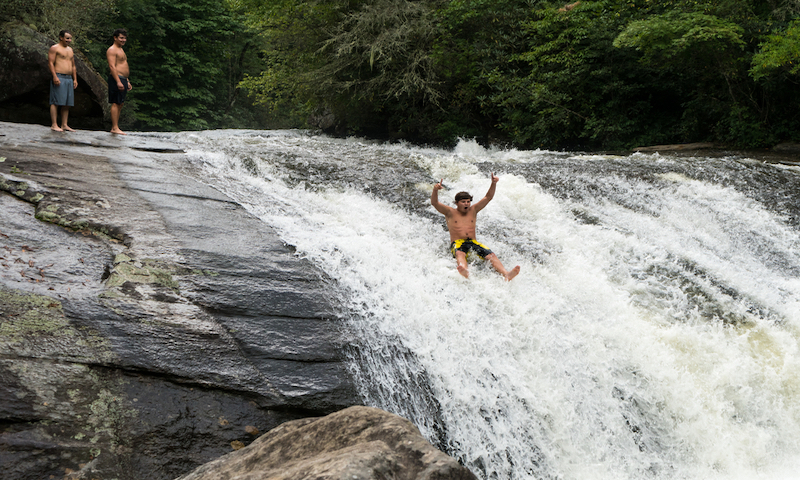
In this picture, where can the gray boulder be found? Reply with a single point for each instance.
(356, 443)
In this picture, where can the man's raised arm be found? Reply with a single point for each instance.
(489, 195)
(442, 208)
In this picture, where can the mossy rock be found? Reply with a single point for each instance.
(22, 189)
(148, 271)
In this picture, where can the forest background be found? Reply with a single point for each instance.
(596, 74)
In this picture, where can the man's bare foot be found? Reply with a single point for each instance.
(68, 129)
(56, 128)
(513, 273)
(118, 131)
(463, 271)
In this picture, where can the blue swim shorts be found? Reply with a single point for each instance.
(115, 95)
(467, 245)
(62, 95)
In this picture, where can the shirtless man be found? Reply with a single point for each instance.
(118, 84)
(61, 61)
(461, 224)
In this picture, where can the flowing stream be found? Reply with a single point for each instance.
(652, 333)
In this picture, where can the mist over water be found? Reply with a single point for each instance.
(652, 332)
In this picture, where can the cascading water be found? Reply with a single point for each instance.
(652, 333)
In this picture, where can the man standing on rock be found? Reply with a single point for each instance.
(461, 224)
(61, 61)
(118, 84)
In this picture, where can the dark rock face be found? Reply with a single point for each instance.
(25, 81)
(359, 442)
(147, 323)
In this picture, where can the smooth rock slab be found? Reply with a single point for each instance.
(147, 322)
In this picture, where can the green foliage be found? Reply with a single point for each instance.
(476, 54)
(592, 74)
(85, 19)
(81, 17)
(576, 90)
(177, 52)
(377, 69)
(290, 33)
(382, 52)
(780, 52)
(699, 57)
(680, 37)
(536, 73)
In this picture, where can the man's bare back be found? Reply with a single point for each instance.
(461, 225)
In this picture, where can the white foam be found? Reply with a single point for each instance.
(600, 360)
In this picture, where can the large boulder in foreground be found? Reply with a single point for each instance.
(25, 81)
(358, 442)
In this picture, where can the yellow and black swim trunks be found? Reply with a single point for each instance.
(467, 245)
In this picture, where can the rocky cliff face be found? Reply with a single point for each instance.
(147, 323)
(25, 81)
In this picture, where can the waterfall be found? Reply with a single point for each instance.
(652, 332)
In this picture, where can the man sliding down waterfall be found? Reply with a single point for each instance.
(461, 224)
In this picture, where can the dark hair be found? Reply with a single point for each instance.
(63, 32)
(463, 196)
(120, 31)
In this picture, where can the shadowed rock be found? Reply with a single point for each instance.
(25, 81)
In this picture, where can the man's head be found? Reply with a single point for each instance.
(463, 201)
(463, 196)
(65, 37)
(121, 35)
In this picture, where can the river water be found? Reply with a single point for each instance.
(652, 333)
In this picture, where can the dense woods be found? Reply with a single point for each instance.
(594, 74)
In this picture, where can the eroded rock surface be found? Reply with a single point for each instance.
(357, 443)
(148, 324)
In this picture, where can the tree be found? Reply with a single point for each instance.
(780, 52)
(364, 61)
(578, 91)
(179, 52)
(85, 19)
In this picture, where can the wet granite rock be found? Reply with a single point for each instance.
(148, 324)
(358, 442)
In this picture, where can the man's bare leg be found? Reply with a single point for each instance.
(501, 269)
(115, 110)
(64, 117)
(461, 258)
(54, 119)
